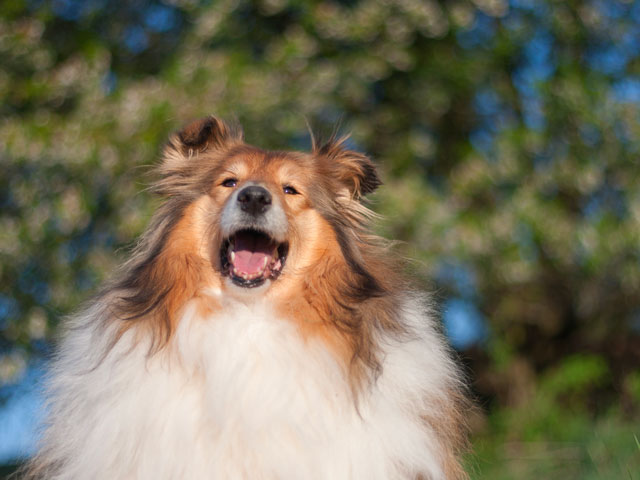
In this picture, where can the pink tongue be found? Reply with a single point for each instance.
(249, 262)
(250, 252)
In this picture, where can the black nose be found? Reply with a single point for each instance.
(254, 199)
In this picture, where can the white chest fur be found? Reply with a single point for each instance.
(242, 395)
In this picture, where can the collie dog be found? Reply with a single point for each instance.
(257, 332)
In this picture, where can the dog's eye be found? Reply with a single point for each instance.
(230, 182)
(289, 190)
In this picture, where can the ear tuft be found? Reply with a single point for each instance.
(353, 169)
(207, 133)
(370, 179)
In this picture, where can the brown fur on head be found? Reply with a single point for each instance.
(336, 282)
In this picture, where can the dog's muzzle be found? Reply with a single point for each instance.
(254, 227)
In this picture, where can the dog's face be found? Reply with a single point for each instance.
(263, 217)
(242, 223)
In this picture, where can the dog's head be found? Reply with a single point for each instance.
(261, 217)
(242, 223)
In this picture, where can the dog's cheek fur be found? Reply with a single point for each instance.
(180, 263)
(329, 294)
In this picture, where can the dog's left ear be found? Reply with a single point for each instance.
(353, 169)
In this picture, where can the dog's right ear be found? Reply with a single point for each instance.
(205, 135)
(351, 169)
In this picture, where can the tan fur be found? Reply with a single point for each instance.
(453, 432)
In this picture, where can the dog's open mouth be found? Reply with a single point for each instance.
(250, 257)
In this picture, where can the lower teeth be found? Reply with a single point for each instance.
(270, 268)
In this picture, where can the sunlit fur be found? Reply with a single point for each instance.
(334, 370)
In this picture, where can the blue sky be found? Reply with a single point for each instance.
(20, 417)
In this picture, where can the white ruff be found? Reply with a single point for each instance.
(241, 395)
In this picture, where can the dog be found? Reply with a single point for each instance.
(258, 331)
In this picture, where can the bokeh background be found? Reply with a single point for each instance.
(507, 132)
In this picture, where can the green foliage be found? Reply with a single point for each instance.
(633, 383)
(554, 435)
(603, 449)
(574, 375)
(508, 134)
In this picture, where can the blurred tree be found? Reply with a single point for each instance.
(508, 132)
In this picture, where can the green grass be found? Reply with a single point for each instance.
(557, 443)
(554, 435)
(580, 449)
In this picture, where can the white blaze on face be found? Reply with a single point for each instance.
(272, 222)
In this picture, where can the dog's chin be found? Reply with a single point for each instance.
(251, 259)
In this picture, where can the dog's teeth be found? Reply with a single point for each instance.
(233, 256)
